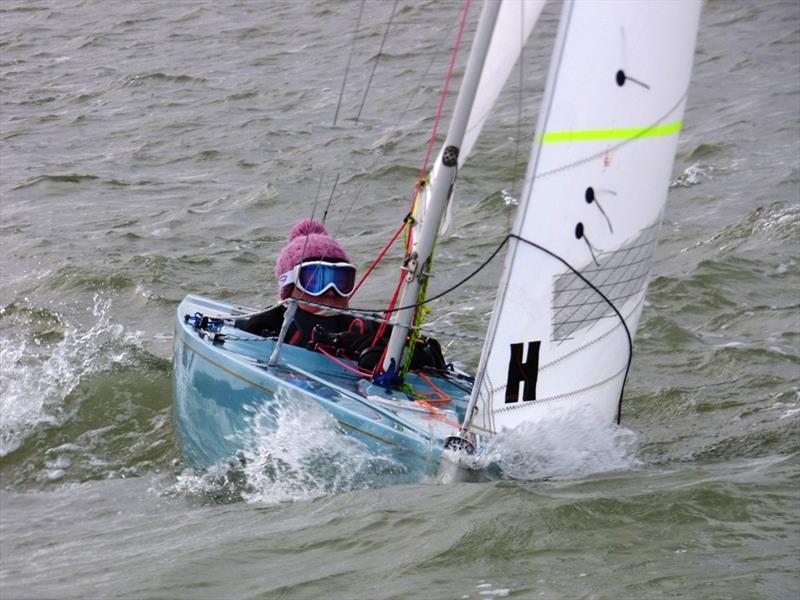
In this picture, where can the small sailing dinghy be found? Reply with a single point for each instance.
(576, 270)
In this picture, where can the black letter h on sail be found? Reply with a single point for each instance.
(519, 372)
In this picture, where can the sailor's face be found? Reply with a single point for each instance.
(329, 298)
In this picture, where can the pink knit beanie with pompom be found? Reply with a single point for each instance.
(308, 239)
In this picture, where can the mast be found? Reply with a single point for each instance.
(558, 49)
(442, 181)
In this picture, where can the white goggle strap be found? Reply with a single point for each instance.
(288, 278)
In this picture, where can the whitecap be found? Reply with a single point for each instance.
(36, 375)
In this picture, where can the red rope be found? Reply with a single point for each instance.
(443, 398)
(443, 95)
(417, 187)
(442, 99)
(435, 414)
(388, 314)
(423, 170)
(379, 258)
(343, 364)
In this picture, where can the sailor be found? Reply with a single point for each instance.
(314, 269)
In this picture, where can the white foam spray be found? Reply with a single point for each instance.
(36, 374)
(569, 443)
(294, 450)
(300, 452)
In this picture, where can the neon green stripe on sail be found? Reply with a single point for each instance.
(596, 135)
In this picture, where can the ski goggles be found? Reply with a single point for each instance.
(315, 277)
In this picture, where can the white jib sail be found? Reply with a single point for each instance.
(514, 24)
(593, 200)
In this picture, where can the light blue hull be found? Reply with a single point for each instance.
(221, 389)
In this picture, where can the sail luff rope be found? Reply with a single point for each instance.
(521, 82)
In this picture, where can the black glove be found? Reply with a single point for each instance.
(356, 339)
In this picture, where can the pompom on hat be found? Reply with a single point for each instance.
(308, 239)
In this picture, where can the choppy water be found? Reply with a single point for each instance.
(153, 149)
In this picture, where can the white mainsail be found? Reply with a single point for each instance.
(593, 201)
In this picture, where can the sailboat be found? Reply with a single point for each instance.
(576, 269)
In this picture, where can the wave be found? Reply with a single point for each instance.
(135, 80)
(777, 221)
(64, 178)
(78, 403)
(694, 174)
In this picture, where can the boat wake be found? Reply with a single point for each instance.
(298, 452)
(569, 443)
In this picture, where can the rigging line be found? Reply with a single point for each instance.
(604, 297)
(443, 397)
(382, 327)
(325, 214)
(377, 59)
(566, 264)
(356, 196)
(420, 180)
(344, 311)
(436, 414)
(443, 293)
(394, 128)
(355, 370)
(378, 258)
(314, 210)
(349, 58)
(330, 199)
(443, 95)
(316, 198)
(376, 319)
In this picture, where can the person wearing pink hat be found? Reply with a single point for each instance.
(314, 269)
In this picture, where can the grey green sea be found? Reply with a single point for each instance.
(151, 149)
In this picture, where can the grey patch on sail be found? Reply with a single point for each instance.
(620, 275)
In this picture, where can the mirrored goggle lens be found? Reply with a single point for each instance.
(316, 278)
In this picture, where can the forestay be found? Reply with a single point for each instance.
(592, 201)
